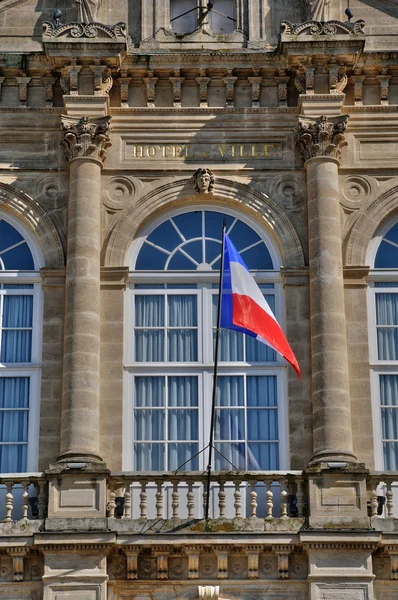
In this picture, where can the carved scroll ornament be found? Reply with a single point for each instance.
(321, 137)
(85, 138)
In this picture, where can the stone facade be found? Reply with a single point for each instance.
(110, 119)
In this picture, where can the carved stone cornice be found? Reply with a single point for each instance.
(322, 137)
(85, 137)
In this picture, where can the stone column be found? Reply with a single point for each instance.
(320, 141)
(85, 142)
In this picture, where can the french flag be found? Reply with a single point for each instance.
(244, 308)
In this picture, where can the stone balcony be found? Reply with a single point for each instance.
(153, 504)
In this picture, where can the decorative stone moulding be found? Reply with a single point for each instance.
(319, 28)
(85, 40)
(85, 138)
(323, 137)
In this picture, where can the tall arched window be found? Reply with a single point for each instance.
(383, 343)
(170, 332)
(20, 347)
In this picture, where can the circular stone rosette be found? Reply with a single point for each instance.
(355, 190)
(119, 192)
(51, 193)
(288, 190)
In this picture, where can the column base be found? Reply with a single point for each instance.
(326, 456)
(71, 457)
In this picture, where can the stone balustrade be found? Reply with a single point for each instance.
(23, 497)
(383, 494)
(234, 495)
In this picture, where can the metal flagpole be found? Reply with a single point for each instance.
(213, 401)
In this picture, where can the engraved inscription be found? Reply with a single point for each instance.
(211, 152)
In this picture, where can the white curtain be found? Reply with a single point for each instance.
(182, 342)
(16, 344)
(386, 318)
(389, 419)
(14, 419)
(149, 343)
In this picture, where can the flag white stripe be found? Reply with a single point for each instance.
(243, 283)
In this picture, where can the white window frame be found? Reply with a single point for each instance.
(33, 368)
(378, 367)
(204, 370)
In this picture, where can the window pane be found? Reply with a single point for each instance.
(149, 345)
(149, 457)
(149, 311)
(183, 424)
(188, 22)
(258, 351)
(14, 392)
(149, 424)
(149, 391)
(389, 423)
(16, 346)
(233, 456)
(17, 311)
(190, 223)
(219, 23)
(19, 258)
(179, 262)
(182, 311)
(387, 343)
(182, 345)
(390, 451)
(262, 424)
(387, 309)
(229, 424)
(181, 453)
(261, 390)
(183, 391)
(150, 259)
(14, 425)
(230, 391)
(13, 458)
(263, 456)
(165, 236)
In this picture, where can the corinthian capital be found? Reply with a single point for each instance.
(321, 137)
(85, 137)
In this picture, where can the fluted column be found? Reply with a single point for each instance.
(320, 141)
(85, 142)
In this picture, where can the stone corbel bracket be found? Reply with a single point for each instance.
(76, 40)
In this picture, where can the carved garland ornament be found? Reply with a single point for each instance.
(85, 138)
(321, 137)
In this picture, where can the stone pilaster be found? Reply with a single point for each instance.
(320, 141)
(85, 143)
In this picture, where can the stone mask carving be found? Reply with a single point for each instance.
(203, 180)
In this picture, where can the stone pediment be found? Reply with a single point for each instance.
(314, 29)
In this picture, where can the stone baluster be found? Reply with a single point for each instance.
(284, 496)
(9, 501)
(300, 497)
(143, 500)
(159, 500)
(269, 504)
(190, 501)
(373, 499)
(41, 493)
(389, 501)
(253, 499)
(127, 501)
(175, 500)
(238, 500)
(320, 141)
(111, 506)
(85, 143)
(25, 499)
(221, 499)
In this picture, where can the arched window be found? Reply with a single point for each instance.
(383, 343)
(20, 347)
(186, 15)
(170, 332)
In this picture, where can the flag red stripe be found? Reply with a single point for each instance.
(248, 314)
